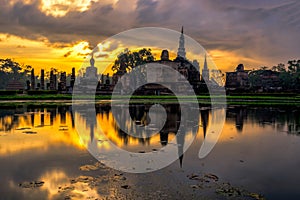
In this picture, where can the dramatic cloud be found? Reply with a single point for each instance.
(100, 21)
(257, 32)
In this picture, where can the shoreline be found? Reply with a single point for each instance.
(259, 100)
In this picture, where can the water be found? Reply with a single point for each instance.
(258, 151)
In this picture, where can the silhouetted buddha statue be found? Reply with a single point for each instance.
(91, 71)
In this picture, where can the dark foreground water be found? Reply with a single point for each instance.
(43, 157)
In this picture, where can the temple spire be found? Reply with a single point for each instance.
(181, 49)
(205, 70)
(205, 63)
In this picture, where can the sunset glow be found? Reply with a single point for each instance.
(59, 34)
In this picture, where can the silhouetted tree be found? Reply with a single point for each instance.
(10, 70)
(263, 68)
(279, 68)
(127, 60)
(294, 71)
(254, 77)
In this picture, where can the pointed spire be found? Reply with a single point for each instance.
(205, 63)
(205, 70)
(181, 50)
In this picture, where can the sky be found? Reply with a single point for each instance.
(60, 33)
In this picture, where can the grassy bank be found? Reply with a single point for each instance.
(204, 99)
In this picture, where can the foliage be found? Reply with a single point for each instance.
(11, 70)
(128, 60)
(254, 77)
(7, 92)
(288, 77)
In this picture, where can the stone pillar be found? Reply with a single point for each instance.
(32, 80)
(27, 85)
(63, 81)
(52, 81)
(73, 77)
(42, 80)
(102, 79)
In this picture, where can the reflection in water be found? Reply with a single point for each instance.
(79, 189)
(280, 119)
(240, 114)
(204, 113)
(40, 122)
(137, 132)
(33, 139)
(23, 119)
(30, 127)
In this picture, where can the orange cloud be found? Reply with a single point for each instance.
(41, 55)
(228, 60)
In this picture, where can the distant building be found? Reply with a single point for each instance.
(106, 84)
(239, 79)
(265, 81)
(15, 85)
(188, 70)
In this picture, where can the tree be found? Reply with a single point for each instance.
(291, 65)
(263, 68)
(286, 80)
(11, 70)
(294, 71)
(279, 68)
(9, 66)
(128, 60)
(254, 78)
